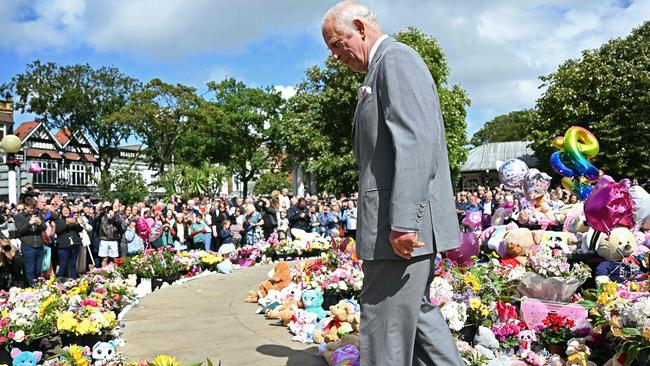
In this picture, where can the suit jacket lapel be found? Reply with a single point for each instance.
(380, 52)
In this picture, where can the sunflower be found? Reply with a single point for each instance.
(77, 354)
(165, 360)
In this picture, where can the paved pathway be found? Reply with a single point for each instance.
(207, 318)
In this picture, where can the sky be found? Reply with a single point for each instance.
(496, 49)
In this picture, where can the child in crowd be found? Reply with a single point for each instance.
(283, 225)
(227, 245)
(196, 232)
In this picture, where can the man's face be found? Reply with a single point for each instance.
(347, 47)
(41, 203)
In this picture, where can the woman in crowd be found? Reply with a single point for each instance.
(253, 224)
(68, 243)
(29, 229)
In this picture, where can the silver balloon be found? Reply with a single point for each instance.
(536, 183)
(512, 174)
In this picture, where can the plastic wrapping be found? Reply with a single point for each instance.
(552, 288)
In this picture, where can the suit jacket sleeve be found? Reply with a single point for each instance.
(412, 113)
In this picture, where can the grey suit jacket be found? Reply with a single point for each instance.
(399, 142)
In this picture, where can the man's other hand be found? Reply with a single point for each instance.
(404, 243)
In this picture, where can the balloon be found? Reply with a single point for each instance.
(142, 229)
(577, 147)
(35, 167)
(512, 173)
(473, 220)
(469, 247)
(536, 183)
(641, 200)
(609, 205)
(150, 222)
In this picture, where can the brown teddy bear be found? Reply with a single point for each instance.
(341, 322)
(279, 278)
(346, 339)
(518, 243)
(284, 312)
(11, 266)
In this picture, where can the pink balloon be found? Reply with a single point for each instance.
(142, 229)
(469, 247)
(473, 220)
(609, 205)
(150, 222)
(35, 167)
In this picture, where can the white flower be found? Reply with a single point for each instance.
(343, 286)
(455, 314)
(638, 313)
(19, 336)
(441, 291)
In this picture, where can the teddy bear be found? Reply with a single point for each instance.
(25, 358)
(526, 339)
(284, 312)
(518, 243)
(303, 325)
(556, 242)
(312, 301)
(344, 320)
(578, 353)
(617, 249)
(327, 349)
(278, 278)
(103, 353)
(11, 265)
(493, 238)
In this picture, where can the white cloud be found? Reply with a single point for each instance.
(496, 50)
(287, 91)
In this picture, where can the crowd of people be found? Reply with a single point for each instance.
(56, 236)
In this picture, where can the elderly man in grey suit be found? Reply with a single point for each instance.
(406, 210)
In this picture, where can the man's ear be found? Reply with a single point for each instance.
(361, 28)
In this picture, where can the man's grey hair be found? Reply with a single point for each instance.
(345, 12)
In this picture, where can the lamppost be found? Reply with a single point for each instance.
(11, 145)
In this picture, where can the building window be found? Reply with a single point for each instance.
(3, 131)
(78, 175)
(49, 174)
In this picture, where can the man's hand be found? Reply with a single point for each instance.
(404, 243)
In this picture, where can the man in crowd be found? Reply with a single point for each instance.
(349, 218)
(30, 226)
(298, 215)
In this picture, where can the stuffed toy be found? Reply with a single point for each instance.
(556, 242)
(225, 266)
(485, 342)
(518, 243)
(494, 237)
(341, 322)
(312, 301)
(347, 355)
(278, 278)
(26, 358)
(103, 353)
(327, 349)
(303, 325)
(526, 339)
(578, 353)
(617, 249)
(284, 312)
(11, 265)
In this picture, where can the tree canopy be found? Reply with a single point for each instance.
(514, 126)
(607, 91)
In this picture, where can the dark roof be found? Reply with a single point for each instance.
(485, 157)
(135, 148)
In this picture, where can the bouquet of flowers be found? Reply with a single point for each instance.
(553, 278)
(632, 329)
(555, 330)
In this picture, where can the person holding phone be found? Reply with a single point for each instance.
(29, 229)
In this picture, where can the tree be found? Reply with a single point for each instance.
(268, 182)
(190, 181)
(318, 119)
(514, 126)
(128, 186)
(78, 99)
(246, 128)
(161, 115)
(606, 91)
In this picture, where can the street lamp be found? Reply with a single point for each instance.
(11, 145)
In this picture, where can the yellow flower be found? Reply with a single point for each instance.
(66, 322)
(617, 332)
(165, 360)
(634, 287)
(472, 281)
(610, 288)
(76, 353)
(110, 318)
(474, 303)
(594, 312)
(45, 304)
(87, 326)
(485, 311)
(614, 321)
(5, 313)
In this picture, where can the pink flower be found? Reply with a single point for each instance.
(11, 335)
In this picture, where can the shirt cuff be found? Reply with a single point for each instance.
(403, 230)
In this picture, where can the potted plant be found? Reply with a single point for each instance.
(555, 332)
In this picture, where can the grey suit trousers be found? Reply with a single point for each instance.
(399, 325)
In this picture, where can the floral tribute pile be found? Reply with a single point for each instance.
(545, 310)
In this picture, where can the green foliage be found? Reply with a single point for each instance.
(271, 181)
(77, 98)
(128, 187)
(317, 121)
(189, 181)
(246, 121)
(162, 114)
(606, 91)
(514, 126)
